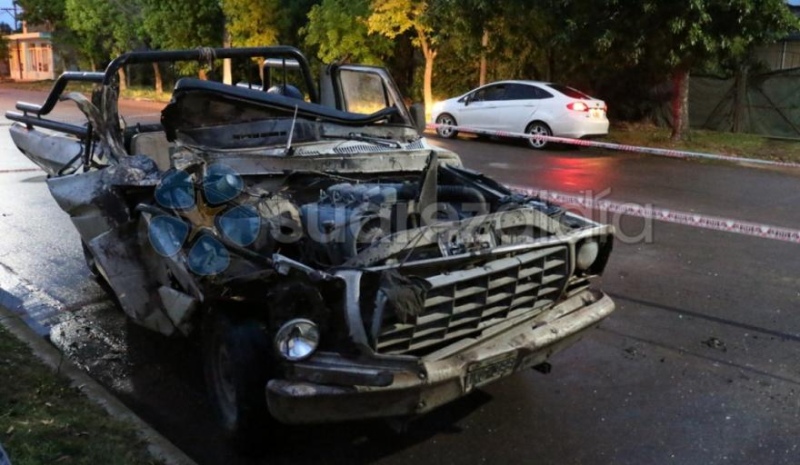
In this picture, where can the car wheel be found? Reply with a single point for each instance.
(236, 365)
(538, 128)
(446, 119)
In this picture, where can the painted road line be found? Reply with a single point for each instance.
(619, 147)
(715, 223)
(20, 170)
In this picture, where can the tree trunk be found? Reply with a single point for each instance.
(227, 74)
(158, 81)
(680, 103)
(740, 101)
(430, 56)
(123, 80)
(484, 45)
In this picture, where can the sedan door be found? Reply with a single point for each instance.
(478, 108)
(518, 107)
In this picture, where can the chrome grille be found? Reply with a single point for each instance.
(465, 303)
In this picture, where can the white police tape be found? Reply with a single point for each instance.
(620, 147)
(670, 216)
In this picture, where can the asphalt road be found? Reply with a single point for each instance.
(700, 364)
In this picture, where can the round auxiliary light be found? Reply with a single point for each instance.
(297, 339)
(587, 254)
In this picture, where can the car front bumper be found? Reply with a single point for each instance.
(404, 386)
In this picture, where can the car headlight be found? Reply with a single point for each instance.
(438, 106)
(587, 254)
(297, 339)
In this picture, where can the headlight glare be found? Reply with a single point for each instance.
(297, 339)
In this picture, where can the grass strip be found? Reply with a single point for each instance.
(44, 420)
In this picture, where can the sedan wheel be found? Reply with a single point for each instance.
(538, 129)
(448, 120)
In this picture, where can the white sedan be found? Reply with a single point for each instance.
(532, 107)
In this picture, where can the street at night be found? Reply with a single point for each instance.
(697, 365)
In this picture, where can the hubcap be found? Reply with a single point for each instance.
(445, 132)
(538, 130)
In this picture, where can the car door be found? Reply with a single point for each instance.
(520, 103)
(478, 108)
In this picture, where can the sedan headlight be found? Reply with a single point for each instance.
(297, 339)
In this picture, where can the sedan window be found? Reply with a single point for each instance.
(490, 93)
(526, 92)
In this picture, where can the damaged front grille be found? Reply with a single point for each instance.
(463, 304)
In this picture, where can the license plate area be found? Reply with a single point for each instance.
(486, 371)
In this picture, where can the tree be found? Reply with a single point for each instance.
(467, 20)
(294, 18)
(182, 24)
(43, 12)
(106, 28)
(675, 37)
(339, 30)
(391, 18)
(252, 23)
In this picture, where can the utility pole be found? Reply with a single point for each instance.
(14, 13)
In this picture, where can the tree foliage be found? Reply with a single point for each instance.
(392, 18)
(43, 11)
(252, 23)
(619, 50)
(179, 24)
(669, 39)
(339, 30)
(104, 28)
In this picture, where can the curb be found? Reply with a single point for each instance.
(158, 446)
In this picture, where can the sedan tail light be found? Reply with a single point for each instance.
(578, 106)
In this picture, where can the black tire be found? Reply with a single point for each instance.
(538, 128)
(236, 364)
(448, 119)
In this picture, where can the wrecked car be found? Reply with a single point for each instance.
(335, 264)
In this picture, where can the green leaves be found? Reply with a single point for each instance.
(180, 24)
(338, 28)
(252, 23)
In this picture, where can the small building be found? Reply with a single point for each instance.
(31, 54)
